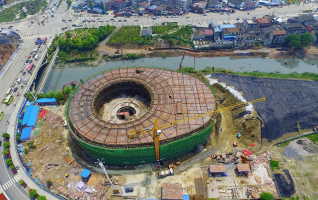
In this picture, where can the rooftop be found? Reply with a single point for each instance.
(262, 20)
(200, 3)
(217, 168)
(171, 191)
(208, 32)
(243, 167)
(281, 32)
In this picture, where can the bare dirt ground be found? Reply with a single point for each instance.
(6, 50)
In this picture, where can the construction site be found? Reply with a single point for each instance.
(209, 140)
(112, 114)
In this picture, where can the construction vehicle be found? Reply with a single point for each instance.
(180, 66)
(165, 173)
(156, 130)
(117, 51)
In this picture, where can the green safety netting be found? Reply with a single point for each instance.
(20, 121)
(37, 126)
(36, 132)
(41, 123)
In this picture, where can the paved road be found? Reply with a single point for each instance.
(53, 26)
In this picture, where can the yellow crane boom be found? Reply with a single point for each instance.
(156, 130)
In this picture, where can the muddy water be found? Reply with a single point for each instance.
(65, 73)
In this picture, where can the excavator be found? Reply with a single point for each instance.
(156, 130)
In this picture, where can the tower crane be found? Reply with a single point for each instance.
(180, 66)
(156, 129)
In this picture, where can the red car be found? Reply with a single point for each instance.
(93, 21)
(29, 57)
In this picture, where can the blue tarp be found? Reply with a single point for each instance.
(26, 134)
(153, 7)
(185, 197)
(85, 173)
(227, 26)
(46, 101)
(27, 114)
(229, 37)
(34, 116)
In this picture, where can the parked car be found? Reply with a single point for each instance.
(29, 57)
(136, 20)
(129, 189)
(13, 85)
(125, 20)
(23, 73)
(26, 61)
(69, 20)
(15, 89)
(204, 14)
(119, 20)
(93, 21)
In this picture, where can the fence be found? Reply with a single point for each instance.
(9, 61)
(21, 158)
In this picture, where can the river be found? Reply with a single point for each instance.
(65, 73)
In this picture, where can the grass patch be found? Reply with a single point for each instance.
(32, 7)
(164, 29)
(284, 144)
(313, 137)
(274, 164)
(129, 34)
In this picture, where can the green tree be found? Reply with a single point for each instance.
(42, 198)
(90, 4)
(6, 144)
(30, 144)
(69, 3)
(49, 184)
(267, 196)
(306, 39)
(102, 6)
(33, 194)
(9, 162)
(5, 152)
(293, 40)
(6, 135)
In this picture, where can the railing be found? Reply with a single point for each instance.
(21, 158)
(11, 58)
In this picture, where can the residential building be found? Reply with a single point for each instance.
(143, 4)
(171, 191)
(119, 4)
(108, 5)
(248, 23)
(246, 40)
(229, 34)
(313, 29)
(297, 28)
(251, 4)
(215, 4)
(305, 18)
(146, 31)
(199, 7)
(184, 4)
(214, 170)
(274, 35)
(262, 22)
(236, 4)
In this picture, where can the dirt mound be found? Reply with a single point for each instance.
(285, 187)
(290, 104)
(227, 127)
(6, 50)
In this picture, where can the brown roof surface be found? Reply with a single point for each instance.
(232, 30)
(194, 96)
(208, 32)
(217, 168)
(243, 167)
(171, 191)
(281, 32)
(201, 3)
(144, 3)
(262, 20)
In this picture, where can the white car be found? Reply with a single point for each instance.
(107, 20)
(101, 20)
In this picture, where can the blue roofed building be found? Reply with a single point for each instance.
(185, 197)
(33, 116)
(46, 101)
(85, 175)
(26, 134)
(27, 114)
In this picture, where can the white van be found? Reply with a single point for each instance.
(36, 57)
(9, 91)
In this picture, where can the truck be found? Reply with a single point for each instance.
(165, 173)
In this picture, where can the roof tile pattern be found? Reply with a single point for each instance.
(195, 98)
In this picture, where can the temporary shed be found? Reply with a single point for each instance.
(185, 197)
(27, 114)
(243, 169)
(46, 101)
(171, 191)
(85, 175)
(26, 134)
(34, 116)
(216, 169)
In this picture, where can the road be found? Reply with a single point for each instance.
(29, 32)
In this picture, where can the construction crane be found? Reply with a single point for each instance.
(156, 130)
(183, 58)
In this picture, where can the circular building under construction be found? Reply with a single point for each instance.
(112, 115)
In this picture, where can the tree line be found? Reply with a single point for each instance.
(302, 41)
(84, 42)
(58, 95)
